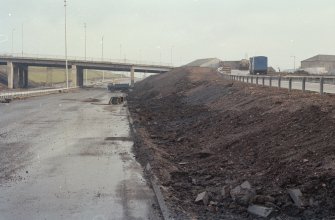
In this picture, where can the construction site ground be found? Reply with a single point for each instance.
(203, 133)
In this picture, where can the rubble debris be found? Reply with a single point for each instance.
(243, 193)
(296, 196)
(261, 211)
(116, 100)
(261, 199)
(148, 167)
(202, 197)
(246, 185)
(212, 203)
(223, 193)
(5, 100)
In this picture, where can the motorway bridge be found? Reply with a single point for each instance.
(17, 68)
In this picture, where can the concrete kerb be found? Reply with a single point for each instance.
(153, 179)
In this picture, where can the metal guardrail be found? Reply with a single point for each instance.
(320, 84)
(23, 94)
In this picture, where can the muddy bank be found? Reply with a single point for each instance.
(202, 133)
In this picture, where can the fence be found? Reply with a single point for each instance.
(12, 95)
(320, 84)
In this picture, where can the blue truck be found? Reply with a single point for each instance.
(258, 65)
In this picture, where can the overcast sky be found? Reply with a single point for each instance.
(148, 29)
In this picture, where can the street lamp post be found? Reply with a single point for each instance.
(293, 63)
(171, 54)
(66, 62)
(85, 54)
(102, 57)
(22, 39)
(120, 51)
(13, 40)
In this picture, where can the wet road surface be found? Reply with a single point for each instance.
(66, 156)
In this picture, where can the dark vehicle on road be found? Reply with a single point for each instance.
(258, 65)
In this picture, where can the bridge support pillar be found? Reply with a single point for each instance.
(10, 75)
(74, 75)
(80, 77)
(13, 74)
(77, 74)
(23, 76)
(132, 76)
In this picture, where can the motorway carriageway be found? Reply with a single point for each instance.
(66, 157)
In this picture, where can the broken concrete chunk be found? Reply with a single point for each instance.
(194, 181)
(246, 185)
(243, 193)
(261, 199)
(148, 167)
(296, 196)
(180, 139)
(258, 210)
(212, 203)
(223, 192)
(202, 197)
(235, 192)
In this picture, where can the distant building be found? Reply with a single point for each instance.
(237, 65)
(319, 64)
(271, 69)
(216, 63)
(234, 65)
(208, 62)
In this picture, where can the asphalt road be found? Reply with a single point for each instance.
(64, 156)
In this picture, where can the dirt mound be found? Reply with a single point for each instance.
(201, 132)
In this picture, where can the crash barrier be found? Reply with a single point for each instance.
(320, 84)
(7, 96)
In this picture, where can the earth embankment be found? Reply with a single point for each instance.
(201, 132)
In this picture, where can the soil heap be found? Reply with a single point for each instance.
(241, 144)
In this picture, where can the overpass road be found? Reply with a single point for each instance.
(67, 156)
(18, 68)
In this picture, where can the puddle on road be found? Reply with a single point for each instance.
(91, 100)
(118, 139)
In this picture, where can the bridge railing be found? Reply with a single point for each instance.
(23, 94)
(78, 58)
(320, 84)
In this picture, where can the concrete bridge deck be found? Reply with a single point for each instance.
(17, 68)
